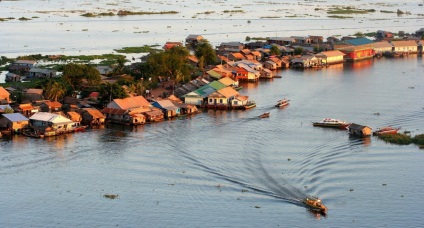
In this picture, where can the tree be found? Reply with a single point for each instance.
(54, 90)
(8, 110)
(109, 91)
(298, 50)
(274, 50)
(75, 74)
(137, 88)
(120, 65)
(204, 49)
(170, 63)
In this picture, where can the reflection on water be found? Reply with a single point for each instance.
(168, 172)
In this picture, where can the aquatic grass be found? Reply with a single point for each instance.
(233, 11)
(387, 11)
(399, 139)
(419, 140)
(339, 17)
(126, 13)
(142, 49)
(24, 19)
(350, 10)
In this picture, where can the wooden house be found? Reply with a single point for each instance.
(277, 61)
(33, 94)
(193, 40)
(22, 66)
(227, 47)
(265, 73)
(302, 39)
(270, 65)
(304, 61)
(51, 124)
(382, 47)
(154, 115)
(281, 40)
(356, 49)
(406, 46)
(11, 77)
(41, 73)
(13, 121)
(227, 81)
(26, 109)
(221, 99)
(168, 108)
(74, 116)
(129, 110)
(236, 57)
(168, 45)
(4, 96)
(240, 101)
(244, 74)
(331, 57)
(50, 106)
(316, 39)
(92, 117)
(359, 130)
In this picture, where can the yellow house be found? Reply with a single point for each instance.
(331, 57)
(4, 96)
(407, 46)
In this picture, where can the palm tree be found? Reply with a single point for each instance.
(54, 90)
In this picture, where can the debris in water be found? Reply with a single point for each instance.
(384, 184)
(351, 190)
(111, 196)
(257, 207)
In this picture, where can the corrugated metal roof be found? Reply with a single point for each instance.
(15, 117)
(332, 53)
(167, 104)
(94, 112)
(228, 92)
(3, 92)
(405, 43)
(217, 85)
(50, 117)
(227, 81)
(130, 102)
(359, 41)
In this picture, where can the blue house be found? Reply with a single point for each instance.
(168, 108)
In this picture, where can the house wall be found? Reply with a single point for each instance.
(217, 101)
(335, 59)
(193, 100)
(406, 49)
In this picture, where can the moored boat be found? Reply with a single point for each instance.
(315, 204)
(282, 103)
(386, 131)
(332, 123)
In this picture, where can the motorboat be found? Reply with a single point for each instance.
(332, 123)
(315, 204)
(386, 131)
(282, 103)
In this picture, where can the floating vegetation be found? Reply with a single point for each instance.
(111, 196)
(142, 49)
(387, 11)
(339, 17)
(399, 139)
(233, 11)
(269, 17)
(126, 13)
(24, 19)
(350, 10)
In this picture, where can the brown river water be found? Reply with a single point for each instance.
(231, 168)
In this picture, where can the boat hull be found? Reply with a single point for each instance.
(337, 126)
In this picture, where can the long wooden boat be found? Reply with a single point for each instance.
(315, 204)
(386, 131)
(265, 115)
(331, 123)
(32, 133)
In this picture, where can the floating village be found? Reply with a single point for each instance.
(43, 111)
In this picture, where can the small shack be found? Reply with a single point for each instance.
(360, 131)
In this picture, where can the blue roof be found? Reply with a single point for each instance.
(15, 117)
(359, 41)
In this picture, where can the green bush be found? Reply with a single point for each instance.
(419, 139)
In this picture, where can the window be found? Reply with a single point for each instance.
(221, 101)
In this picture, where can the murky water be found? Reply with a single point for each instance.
(232, 169)
(57, 27)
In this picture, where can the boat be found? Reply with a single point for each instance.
(264, 115)
(282, 103)
(332, 123)
(315, 204)
(386, 131)
(32, 133)
(80, 128)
